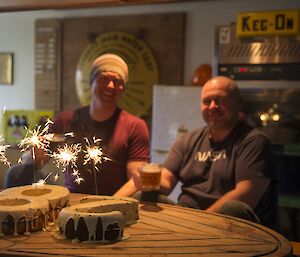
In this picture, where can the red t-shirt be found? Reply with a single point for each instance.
(124, 137)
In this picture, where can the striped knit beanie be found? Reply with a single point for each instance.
(109, 62)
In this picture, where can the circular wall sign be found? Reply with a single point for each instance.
(143, 71)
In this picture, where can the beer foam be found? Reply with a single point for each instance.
(151, 168)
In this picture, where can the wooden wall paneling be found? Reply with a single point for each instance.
(48, 64)
(163, 33)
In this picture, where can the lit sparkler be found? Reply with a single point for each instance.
(3, 148)
(36, 139)
(67, 156)
(95, 155)
(41, 182)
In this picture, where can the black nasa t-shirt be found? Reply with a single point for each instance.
(208, 169)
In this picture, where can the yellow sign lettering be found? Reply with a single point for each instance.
(268, 23)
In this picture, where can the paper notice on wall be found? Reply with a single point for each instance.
(176, 110)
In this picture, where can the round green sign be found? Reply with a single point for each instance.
(143, 71)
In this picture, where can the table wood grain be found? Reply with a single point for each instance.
(162, 230)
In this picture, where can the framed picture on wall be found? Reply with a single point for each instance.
(16, 124)
(6, 68)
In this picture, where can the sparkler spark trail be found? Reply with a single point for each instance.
(3, 148)
(56, 176)
(78, 180)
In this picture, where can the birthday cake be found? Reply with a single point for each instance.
(98, 218)
(26, 209)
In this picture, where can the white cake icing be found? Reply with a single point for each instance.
(17, 211)
(29, 203)
(98, 218)
(128, 206)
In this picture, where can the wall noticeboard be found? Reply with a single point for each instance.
(6, 68)
(48, 64)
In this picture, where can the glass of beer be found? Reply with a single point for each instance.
(150, 174)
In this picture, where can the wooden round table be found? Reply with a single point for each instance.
(162, 230)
